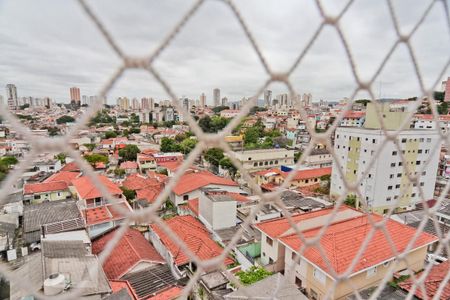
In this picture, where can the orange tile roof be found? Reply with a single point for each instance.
(87, 190)
(96, 215)
(169, 294)
(136, 182)
(65, 176)
(354, 114)
(71, 167)
(193, 205)
(196, 237)
(342, 240)
(129, 165)
(149, 194)
(170, 165)
(277, 227)
(130, 250)
(432, 282)
(117, 285)
(44, 187)
(195, 180)
(309, 173)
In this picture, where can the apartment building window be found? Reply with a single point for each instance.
(392, 165)
(391, 176)
(418, 162)
(388, 199)
(413, 194)
(394, 152)
(424, 173)
(400, 164)
(36, 197)
(319, 275)
(255, 164)
(269, 241)
(422, 183)
(427, 151)
(371, 272)
(397, 186)
(374, 141)
(370, 175)
(403, 140)
(428, 140)
(389, 187)
(419, 151)
(399, 174)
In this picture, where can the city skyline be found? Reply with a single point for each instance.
(84, 60)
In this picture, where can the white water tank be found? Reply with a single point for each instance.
(54, 284)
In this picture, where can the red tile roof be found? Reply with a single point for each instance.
(117, 285)
(149, 194)
(169, 294)
(432, 282)
(310, 173)
(44, 187)
(87, 190)
(194, 235)
(65, 176)
(354, 114)
(71, 167)
(342, 240)
(195, 180)
(136, 182)
(277, 227)
(129, 165)
(170, 165)
(131, 249)
(193, 205)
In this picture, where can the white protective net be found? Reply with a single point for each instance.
(149, 215)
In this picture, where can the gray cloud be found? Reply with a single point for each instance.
(50, 45)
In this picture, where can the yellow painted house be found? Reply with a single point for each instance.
(35, 193)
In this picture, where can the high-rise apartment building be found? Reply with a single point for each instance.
(75, 95)
(123, 103)
(307, 99)
(203, 100)
(447, 90)
(11, 96)
(145, 103)
(224, 101)
(267, 98)
(216, 97)
(386, 182)
(135, 105)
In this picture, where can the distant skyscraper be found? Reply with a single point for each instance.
(145, 103)
(307, 99)
(11, 96)
(267, 98)
(84, 99)
(202, 100)
(186, 104)
(447, 90)
(216, 96)
(75, 95)
(135, 104)
(224, 101)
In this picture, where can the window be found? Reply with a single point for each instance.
(293, 255)
(392, 165)
(418, 162)
(413, 194)
(427, 151)
(37, 197)
(400, 164)
(249, 158)
(374, 141)
(428, 140)
(298, 282)
(269, 241)
(419, 151)
(394, 152)
(399, 174)
(391, 176)
(388, 199)
(422, 183)
(421, 140)
(403, 140)
(397, 186)
(371, 271)
(319, 275)
(389, 187)
(185, 197)
(386, 264)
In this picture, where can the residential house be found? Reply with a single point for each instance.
(196, 237)
(130, 167)
(316, 271)
(256, 160)
(45, 191)
(131, 253)
(189, 185)
(100, 214)
(217, 210)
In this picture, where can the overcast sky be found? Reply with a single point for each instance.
(47, 46)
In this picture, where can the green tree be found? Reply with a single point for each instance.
(119, 172)
(252, 275)
(187, 145)
(89, 146)
(226, 164)
(130, 152)
(65, 119)
(350, 200)
(61, 157)
(95, 158)
(26, 105)
(102, 117)
(218, 109)
(110, 134)
(213, 156)
(129, 194)
(443, 108)
(169, 145)
(8, 160)
(252, 135)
